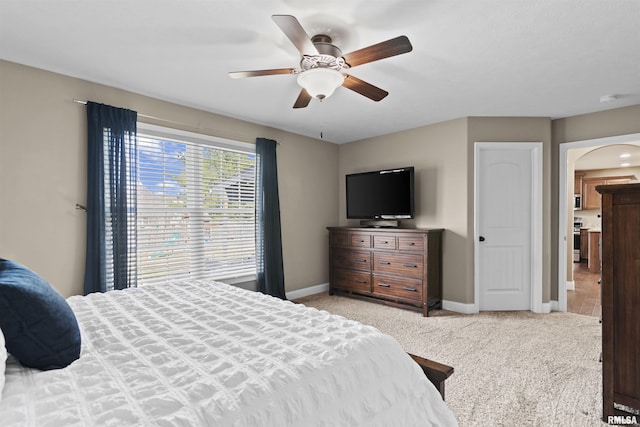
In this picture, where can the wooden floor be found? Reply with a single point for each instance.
(586, 297)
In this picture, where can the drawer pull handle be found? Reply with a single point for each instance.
(385, 243)
(361, 260)
(361, 281)
(384, 263)
(410, 265)
(412, 243)
(406, 288)
(361, 241)
(384, 285)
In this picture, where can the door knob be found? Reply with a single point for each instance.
(481, 238)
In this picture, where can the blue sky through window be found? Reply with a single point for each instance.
(160, 162)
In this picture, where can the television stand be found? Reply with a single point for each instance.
(379, 223)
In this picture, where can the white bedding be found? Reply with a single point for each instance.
(209, 354)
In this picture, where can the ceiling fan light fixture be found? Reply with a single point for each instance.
(320, 82)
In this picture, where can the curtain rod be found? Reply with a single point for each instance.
(191, 127)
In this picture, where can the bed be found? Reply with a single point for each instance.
(203, 353)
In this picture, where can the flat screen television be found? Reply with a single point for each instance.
(380, 195)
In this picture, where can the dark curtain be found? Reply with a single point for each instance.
(111, 207)
(268, 231)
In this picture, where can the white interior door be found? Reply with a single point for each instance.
(504, 201)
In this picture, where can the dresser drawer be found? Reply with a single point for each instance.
(402, 264)
(350, 259)
(384, 242)
(397, 287)
(411, 243)
(339, 239)
(351, 280)
(397, 267)
(361, 240)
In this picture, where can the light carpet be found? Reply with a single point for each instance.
(511, 368)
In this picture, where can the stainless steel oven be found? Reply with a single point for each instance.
(576, 246)
(577, 225)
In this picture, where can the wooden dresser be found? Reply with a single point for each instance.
(620, 300)
(399, 267)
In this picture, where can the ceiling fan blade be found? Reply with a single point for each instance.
(364, 88)
(303, 99)
(291, 27)
(375, 52)
(256, 73)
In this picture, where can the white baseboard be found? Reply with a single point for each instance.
(459, 307)
(571, 285)
(305, 292)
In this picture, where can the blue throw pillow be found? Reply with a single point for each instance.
(39, 327)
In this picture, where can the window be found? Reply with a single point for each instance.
(195, 207)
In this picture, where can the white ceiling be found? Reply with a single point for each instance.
(550, 58)
(609, 157)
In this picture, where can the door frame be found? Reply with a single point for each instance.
(536, 220)
(563, 203)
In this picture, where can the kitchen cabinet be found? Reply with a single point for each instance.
(577, 182)
(590, 197)
(584, 244)
(594, 251)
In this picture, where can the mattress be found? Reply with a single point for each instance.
(202, 353)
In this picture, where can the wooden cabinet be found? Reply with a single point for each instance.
(399, 267)
(577, 182)
(590, 197)
(584, 244)
(594, 252)
(620, 299)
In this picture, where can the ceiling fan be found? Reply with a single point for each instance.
(322, 64)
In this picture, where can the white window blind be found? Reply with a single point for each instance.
(195, 207)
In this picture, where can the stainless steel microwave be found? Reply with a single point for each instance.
(577, 202)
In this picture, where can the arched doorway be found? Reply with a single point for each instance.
(569, 153)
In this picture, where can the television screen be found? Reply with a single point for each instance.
(384, 194)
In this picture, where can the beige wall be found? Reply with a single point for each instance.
(439, 154)
(437, 151)
(618, 121)
(443, 155)
(43, 175)
(614, 122)
(518, 129)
